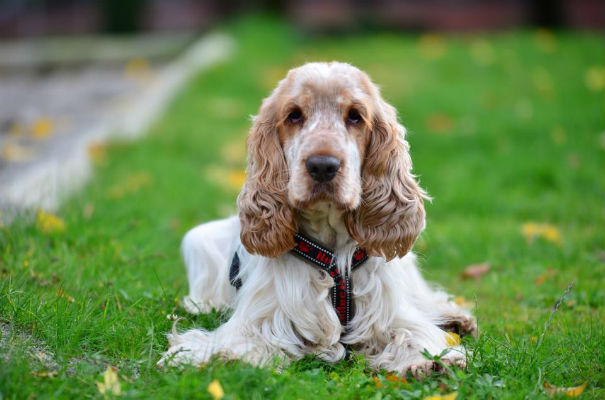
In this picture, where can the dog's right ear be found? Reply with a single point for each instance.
(267, 221)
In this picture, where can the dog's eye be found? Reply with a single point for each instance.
(353, 117)
(295, 116)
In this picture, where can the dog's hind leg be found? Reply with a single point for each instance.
(207, 251)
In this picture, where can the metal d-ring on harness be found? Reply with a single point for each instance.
(312, 252)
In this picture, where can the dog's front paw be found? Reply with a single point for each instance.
(424, 368)
(196, 306)
(462, 324)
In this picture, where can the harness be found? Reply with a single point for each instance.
(325, 259)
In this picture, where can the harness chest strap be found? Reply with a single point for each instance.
(325, 259)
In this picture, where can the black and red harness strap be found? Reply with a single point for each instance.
(325, 259)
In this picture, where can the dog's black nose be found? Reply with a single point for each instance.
(322, 168)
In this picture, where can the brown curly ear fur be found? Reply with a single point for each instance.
(391, 214)
(267, 221)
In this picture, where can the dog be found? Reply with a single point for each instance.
(318, 260)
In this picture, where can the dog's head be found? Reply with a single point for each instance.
(326, 135)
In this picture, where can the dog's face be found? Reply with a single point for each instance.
(323, 125)
(326, 135)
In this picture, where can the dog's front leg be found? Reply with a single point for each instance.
(282, 311)
(390, 327)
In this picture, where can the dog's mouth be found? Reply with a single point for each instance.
(322, 192)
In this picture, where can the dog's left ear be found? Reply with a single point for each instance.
(267, 221)
(391, 214)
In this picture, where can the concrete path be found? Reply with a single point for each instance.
(51, 114)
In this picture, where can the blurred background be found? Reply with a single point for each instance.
(22, 18)
(75, 72)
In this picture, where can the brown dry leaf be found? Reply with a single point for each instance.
(111, 383)
(48, 223)
(439, 123)
(475, 271)
(450, 396)
(16, 153)
(567, 391)
(216, 390)
(61, 293)
(377, 382)
(395, 378)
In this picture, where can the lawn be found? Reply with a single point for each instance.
(507, 133)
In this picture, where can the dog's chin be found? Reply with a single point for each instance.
(324, 192)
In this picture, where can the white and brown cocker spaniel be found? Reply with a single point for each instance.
(318, 260)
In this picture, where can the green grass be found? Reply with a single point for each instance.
(504, 130)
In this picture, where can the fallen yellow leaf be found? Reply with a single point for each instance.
(42, 128)
(234, 152)
(450, 396)
(16, 153)
(542, 80)
(567, 391)
(432, 46)
(111, 383)
(138, 69)
(462, 302)
(532, 230)
(216, 390)
(236, 178)
(44, 374)
(273, 75)
(229, 179)
(98, 154)
(48, 223)
(595, 78)
(132, 184)
(545, 40)
(452, 339)
(482, 52)
(558, 135)
(64, 295)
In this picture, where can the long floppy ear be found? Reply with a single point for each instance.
(391, 214)
(267, 221)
